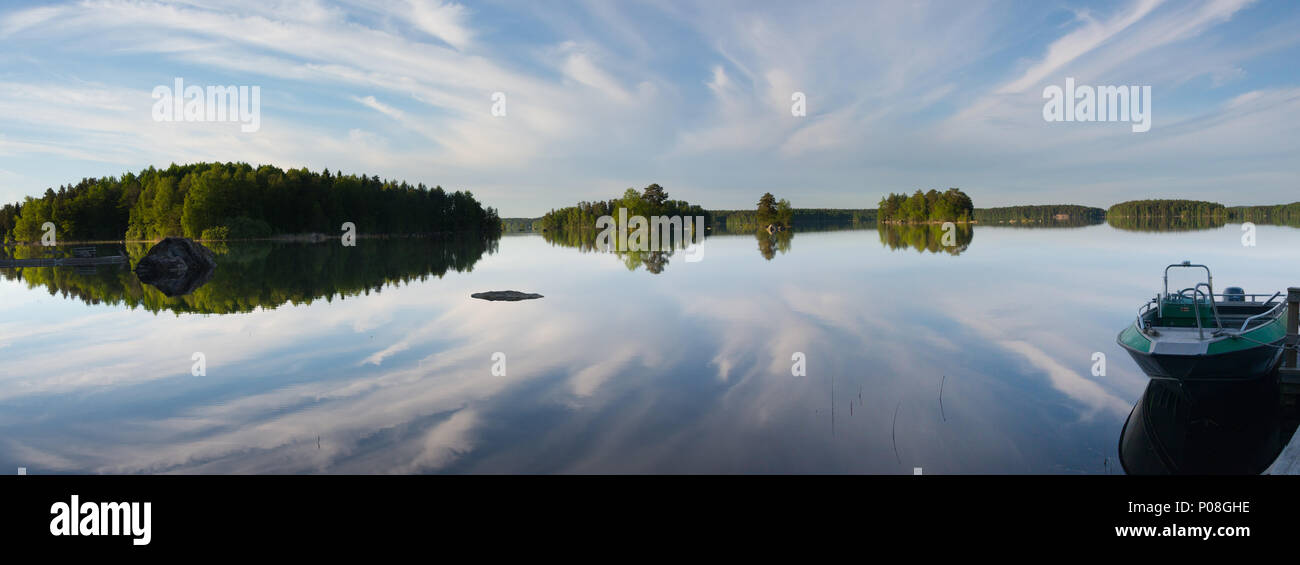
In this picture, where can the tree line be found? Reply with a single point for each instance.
(651, 201)
(238, 201)
(1287, 214)
(951, 205)
(744, 221)
(1040, 214)
(1167, 215)
(1167, 209)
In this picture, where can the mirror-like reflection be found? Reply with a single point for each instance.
(1204, 428)
(927, 237)
(263, 274)
(895, 237)
(1167, 224)
(909, 359)
(770, 243)
(654, 261)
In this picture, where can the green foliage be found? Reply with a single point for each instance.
(186, 200)
(928, 237)
(1167, 215)
(952, 205)
(512, 225)
(746, 221)
(784, 213)
(243, 227)
(1283, 214)
(267, 274)
(219, 233)
(655, 196)
(653, 201)
(1167, 209)
(1051, 214)
(765, 213)
(8, 217)
(770, 243)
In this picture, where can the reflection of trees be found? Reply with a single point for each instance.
(654, 261)
(925, 237)
(1049, 224)
(1174, 223)
(268, 274)
(770, 243)
(585, 241)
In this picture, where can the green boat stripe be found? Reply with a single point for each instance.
(1270, 332)
(1267, 333)
(1134, 339)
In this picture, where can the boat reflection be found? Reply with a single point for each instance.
(1204, 428)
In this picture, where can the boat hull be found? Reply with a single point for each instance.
(1249, 363)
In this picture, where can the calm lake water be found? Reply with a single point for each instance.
(374, 359)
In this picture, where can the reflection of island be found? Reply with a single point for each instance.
(585, 241)
(1164, 224)
(926, 237)
(268, 274)
(770, 243)
(1204, 428)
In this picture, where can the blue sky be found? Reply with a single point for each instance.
(605, 95)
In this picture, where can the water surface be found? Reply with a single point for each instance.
(976, 358)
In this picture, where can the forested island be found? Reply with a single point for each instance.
(651, 201)
(1281, 213)
(1167, 209)
(1172, 215)
(1071, 214)
(219, 201)
(951, 205)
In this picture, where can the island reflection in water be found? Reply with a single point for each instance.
(896, 237)
(265, 274)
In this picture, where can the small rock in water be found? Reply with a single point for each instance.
(509, 295)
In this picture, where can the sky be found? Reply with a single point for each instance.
(603, 95)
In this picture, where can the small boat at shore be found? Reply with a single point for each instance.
(1195, 334)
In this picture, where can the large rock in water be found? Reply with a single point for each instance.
(177, 266)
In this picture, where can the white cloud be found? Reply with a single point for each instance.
(700, 98)
(444, 20)
(371, 102)
(1079, 42)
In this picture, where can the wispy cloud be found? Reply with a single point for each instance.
(695, 96)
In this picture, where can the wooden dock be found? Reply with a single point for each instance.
(1288, 462)
(1289, 373)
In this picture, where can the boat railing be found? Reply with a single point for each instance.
(1246, 298)
(1214, 307)
(1196, 310)
(1269, 314)
(1142, 311)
